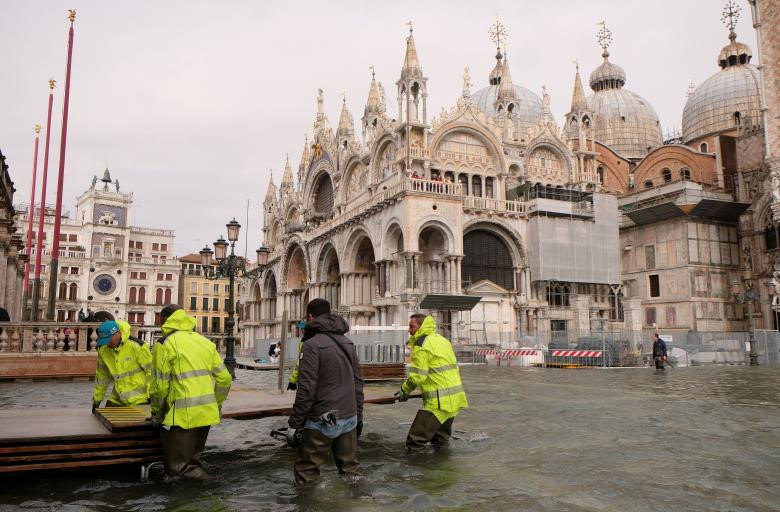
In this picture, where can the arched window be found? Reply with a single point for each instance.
(600, 174)
(158, 297)
(770, 237)
(489, 187)
(323, 195)
(487, 257)
(167, 296)
(559, 294)
(648, 184)
(63, 291)
(73, 289)
(685, 174)
(476, 185)
(666, 174)
(703, 147)
(463, 179)
(133, 295)
(142, 295)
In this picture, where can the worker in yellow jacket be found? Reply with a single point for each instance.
(125, 362)
(434, 370)
(189, 385)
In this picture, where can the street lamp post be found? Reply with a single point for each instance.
(748, 296)
(230, 266)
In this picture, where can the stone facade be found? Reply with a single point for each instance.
(12, 257)
(204, 299)
(108, 267)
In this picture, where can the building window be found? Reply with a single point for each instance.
(157, 319)
(615, 305)
(650, 317)
(685, 174)
(133, 295)
(204, 324)
(194, 288)
(215, 324)
(169, 277)
(558, 294)
(655, 285)
(139, 245)
(487, 257)
(737, 118)
(163, 247)
(155, 247)
(215, 304)
(206, 288)
(74, 271)
(476, 186)
(133, 275)
(63, 291)
(216, 289)
(205, 302)
(770, 238)
(63, 237)
(142, 295)
(600, 174)
(142, 275)
(167, 296)
(73, 238)
(193, 303)
(666, 174)
(158, 297)
(650, 257)
(160, 277)
(489, 187)
(73, 289)
(648, 184)
(703, 147)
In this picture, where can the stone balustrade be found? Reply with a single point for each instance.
(34, 337)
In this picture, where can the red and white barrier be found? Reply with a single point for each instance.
(576, 353)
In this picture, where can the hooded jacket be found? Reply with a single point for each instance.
(434, 370)
(189, 380)
(128, 366)
(329, 377)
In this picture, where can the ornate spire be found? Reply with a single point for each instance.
(374, 102)
(287, 176)
(578, 101)
(734, 53)
(305, 155)
(270, 193)
(604, 37)
(506, 89)
(412, 67)
(547, 116)
(346, 125)
(498, 35)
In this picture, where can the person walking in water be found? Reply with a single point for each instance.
(659, 351)
(434, 370)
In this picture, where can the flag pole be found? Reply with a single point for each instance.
(55, 253)
(42, 211)
(30, 214)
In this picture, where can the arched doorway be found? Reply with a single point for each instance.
(361, 282)
(433, 274)
(296, 283)
(487, 257)
(329, 276)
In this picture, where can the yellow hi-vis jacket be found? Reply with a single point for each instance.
(434, 370)
(128, 366)
(294, 376)
(189, 380)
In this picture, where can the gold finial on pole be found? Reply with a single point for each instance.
(498, 34)
(411, 29)
(51, 83)
(72, 15)
(37, 129)
(604, 37)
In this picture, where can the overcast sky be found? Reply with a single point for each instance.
(190, 104)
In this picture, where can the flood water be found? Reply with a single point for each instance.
(701, 438)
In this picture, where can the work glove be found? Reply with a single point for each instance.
(292, 386)
(297, 436)
(95, 405)
(401, 396)
(359, 428)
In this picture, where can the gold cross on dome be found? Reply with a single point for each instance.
(730, 15)
(604, 36)
(498, 33)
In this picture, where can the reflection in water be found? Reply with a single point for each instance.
(533, 439)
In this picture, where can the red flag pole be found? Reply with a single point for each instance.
(42, 211)
(55, 252)
(31, 214)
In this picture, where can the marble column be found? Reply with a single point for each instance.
(10, 283)
(4, 253)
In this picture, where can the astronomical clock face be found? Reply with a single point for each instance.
(104, 284)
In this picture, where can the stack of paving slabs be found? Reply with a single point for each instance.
(36, 439)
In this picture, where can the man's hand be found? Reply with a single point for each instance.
(359, 428)
(156, 422)
(401, 396)
(292, 386)
(95, 405)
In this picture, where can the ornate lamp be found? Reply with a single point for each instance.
(233, 228)
(262, 255)
(220, 248)
(205, 256)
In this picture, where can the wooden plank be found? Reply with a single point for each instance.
(124, 418)
(82, 455)
(35, 448)
(78, 464)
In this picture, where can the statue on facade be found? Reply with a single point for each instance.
(82, 316)
(466, 82)
(774, 179)
(320, 101)
(776, 290)
(94, 182)
(116, 183)
(747, 258)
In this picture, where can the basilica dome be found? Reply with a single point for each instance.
(622, 119)
(530, 109)
(726, 98)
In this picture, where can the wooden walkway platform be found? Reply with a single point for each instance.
(35, 439)
(371, 372)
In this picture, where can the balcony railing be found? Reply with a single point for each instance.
(34, 337)
(496, 205)
(434, 187)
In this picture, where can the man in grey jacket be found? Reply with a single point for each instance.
(329, 399)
